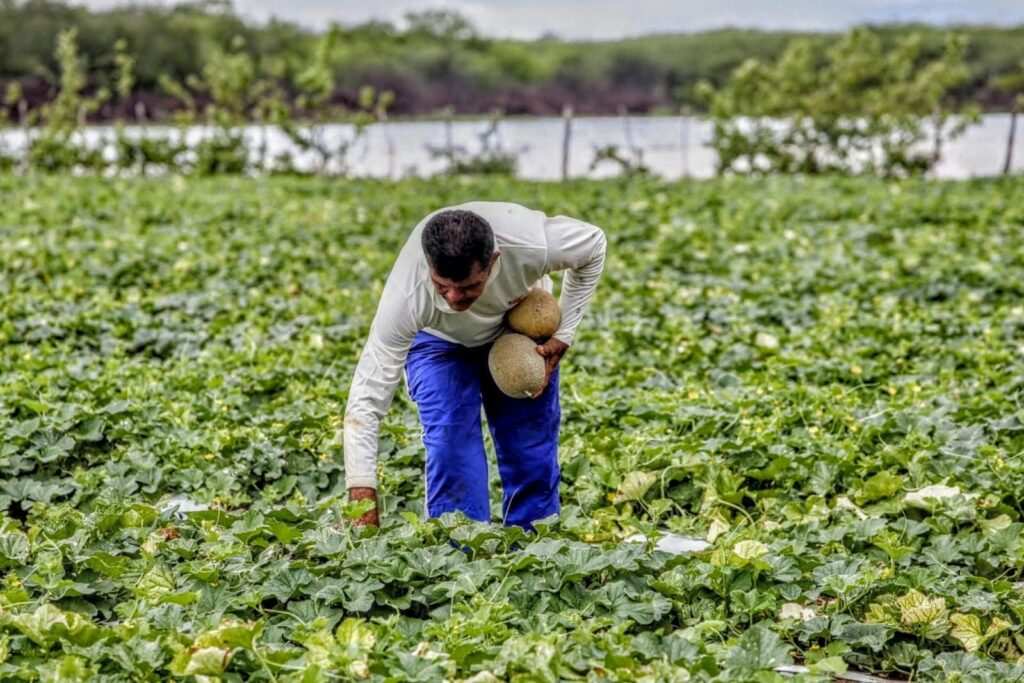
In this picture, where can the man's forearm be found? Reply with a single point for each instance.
(377, 375)
(362, 423)
(584, 261)
(364, 493)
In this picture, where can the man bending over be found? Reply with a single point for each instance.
(441, 309)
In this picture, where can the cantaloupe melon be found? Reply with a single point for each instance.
(516, 367)
(537, 315)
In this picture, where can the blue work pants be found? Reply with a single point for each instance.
(449, 383)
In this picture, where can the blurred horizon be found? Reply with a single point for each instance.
(437, 61)
(613, 19)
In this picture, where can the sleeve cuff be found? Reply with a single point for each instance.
(361, 482)
(564, 337)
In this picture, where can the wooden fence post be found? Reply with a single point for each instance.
(448, 142)
(382, 117)
(449, 146)
(684, 141)
(630, 143)
(566, 139)
(26, 128)
(1008, 162)
(264, 139)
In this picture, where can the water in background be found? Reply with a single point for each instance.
(672, 147)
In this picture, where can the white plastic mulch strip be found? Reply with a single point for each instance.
(673, 543)
(180, 505)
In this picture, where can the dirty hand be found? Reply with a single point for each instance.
(370, 518)
(552, 350)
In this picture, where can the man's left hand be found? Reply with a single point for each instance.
(552, 350)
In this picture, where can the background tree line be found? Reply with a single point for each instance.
(436, 60)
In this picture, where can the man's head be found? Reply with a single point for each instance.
(459, 246)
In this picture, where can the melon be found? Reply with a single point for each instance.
(517, 368)
(537, 315)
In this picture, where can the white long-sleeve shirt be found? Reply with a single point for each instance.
(531, 245)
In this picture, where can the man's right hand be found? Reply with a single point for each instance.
(361, 493)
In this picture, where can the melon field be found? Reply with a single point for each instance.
(822, 378)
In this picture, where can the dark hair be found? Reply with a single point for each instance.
(454, 240)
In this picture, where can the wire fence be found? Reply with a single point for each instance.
(550, 148)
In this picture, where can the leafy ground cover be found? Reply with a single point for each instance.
(823, 378)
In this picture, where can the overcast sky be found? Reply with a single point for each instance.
(617, 18)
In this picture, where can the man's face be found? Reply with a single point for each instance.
(461, 294)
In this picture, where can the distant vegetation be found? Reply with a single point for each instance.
(853, 107)
(878, 101)
(436, 60)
